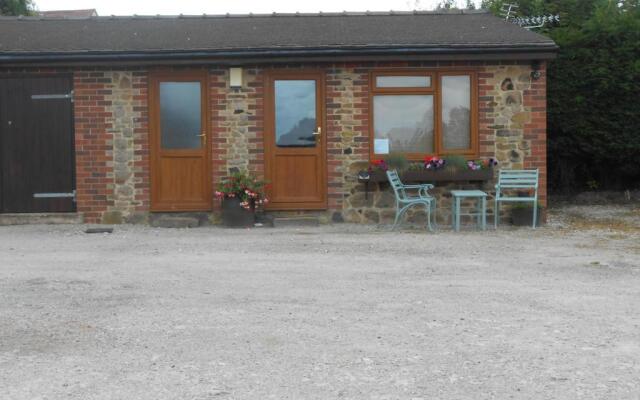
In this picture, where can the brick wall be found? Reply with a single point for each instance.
(513, 118)
(236, 119)
(112, 149)
(347, 120)
(94, 143)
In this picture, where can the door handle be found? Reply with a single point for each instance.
(318, 132)
(203, 136)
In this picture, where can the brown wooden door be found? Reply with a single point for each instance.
(180, 177)
(36, 144)
(295, 141)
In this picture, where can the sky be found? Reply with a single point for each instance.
(175, 7)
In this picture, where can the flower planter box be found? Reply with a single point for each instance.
(235, 216)
(432, 176)
(427, 176)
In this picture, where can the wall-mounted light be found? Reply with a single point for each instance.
(535, 73)
(235, 77)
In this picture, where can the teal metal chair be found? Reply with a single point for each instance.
(405, 201)
(514, 180)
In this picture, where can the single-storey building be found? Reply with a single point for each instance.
(117, 118)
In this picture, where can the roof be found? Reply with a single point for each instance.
(89, 12)
(271, 35)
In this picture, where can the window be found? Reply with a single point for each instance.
(421, 113)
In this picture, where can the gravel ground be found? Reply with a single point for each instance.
(341, 311)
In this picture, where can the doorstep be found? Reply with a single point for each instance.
(179, 219)
(41, 219)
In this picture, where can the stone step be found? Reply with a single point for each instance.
(40, 218)
(167, 221)
(295, 222)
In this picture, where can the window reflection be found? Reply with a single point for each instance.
(295, 113)
(405, 122)
(456, 112)
(180, 113)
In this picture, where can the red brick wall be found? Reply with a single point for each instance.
(93, 143)
(536, 130)
(530, 132)
(347, 120)
(141, 141)
(236, 126)
(236, 123)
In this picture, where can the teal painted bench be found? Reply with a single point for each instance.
(405, 201)
(514, 180)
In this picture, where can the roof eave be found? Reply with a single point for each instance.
(543, 51)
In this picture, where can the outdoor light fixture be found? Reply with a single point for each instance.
(535, 74)
(235, 77)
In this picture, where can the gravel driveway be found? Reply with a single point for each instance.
(336, 312)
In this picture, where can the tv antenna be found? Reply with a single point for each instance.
(510, 13)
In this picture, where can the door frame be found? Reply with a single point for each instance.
(269, 134)
(154, 77)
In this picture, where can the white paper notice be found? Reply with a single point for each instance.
(381, 146)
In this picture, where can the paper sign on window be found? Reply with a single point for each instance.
(381, 146)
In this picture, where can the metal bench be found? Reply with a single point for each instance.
(405, 201)
(514, 180)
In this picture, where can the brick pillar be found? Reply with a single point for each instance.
(93, 143)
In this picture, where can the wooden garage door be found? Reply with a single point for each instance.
(36, 145)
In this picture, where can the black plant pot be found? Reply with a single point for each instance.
(234, 216)
(523, 216)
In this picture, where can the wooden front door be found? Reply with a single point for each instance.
(295, 141)
(36, 145)
(178, 123)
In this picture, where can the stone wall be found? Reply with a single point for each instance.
(237, 125)
(512, 129)
(347, 109)
(112, 149)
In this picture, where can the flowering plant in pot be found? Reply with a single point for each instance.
(241, 194)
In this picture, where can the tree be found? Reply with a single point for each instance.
(593, 118)
(16, 7)
(446, 5)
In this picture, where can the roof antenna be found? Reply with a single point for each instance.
(509, 12)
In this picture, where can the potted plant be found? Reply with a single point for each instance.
(522, 214)
(241, 195)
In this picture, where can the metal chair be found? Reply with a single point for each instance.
(404, 201)
(517, 179)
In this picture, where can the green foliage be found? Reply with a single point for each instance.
(245, 187)
(397, 161)
(16, 7)
(446, 5)
(593, 85)
(455, 162)
(451, 5)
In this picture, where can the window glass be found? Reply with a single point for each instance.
(295, 113)
(403, 123)
(403, 81)
(180, 114)
(456, 112)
